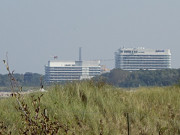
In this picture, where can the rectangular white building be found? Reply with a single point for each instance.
(141, 58)
(59, 71)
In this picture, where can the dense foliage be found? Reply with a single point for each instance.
(121, 78)
(94, 108)
(116, 77)
(27, 79)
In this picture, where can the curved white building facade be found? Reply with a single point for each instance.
(141, 58)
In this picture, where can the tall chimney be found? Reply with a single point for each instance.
(80, 54)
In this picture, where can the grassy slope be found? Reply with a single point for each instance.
(89, 109)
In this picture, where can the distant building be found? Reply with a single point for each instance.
(141, 58)
(59, 71)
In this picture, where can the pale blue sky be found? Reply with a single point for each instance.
(33, 30)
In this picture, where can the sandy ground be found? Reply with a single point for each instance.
(7, 94)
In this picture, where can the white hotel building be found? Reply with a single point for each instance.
(59, 71)
(141, 58)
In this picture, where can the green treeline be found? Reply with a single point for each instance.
(116, 77)
(27, 79)
(121, 78)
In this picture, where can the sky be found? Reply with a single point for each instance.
(33, 31)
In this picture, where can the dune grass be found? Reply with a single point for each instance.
(89, 108)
